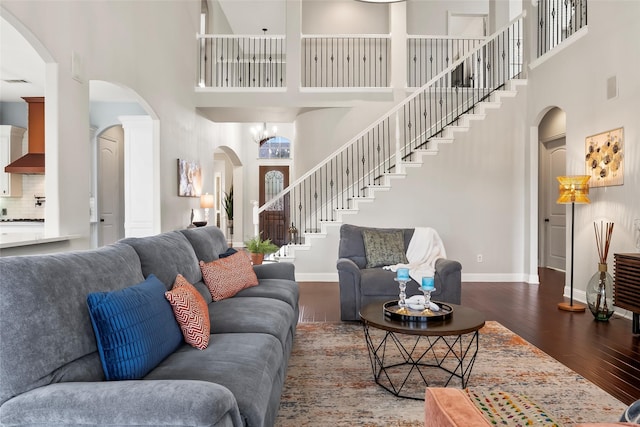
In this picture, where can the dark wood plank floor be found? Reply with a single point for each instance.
(606, 353)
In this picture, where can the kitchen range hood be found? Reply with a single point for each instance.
(33, 161)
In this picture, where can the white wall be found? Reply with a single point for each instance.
(575, 81)
(344, 17)
(470, 192)
(426, 17)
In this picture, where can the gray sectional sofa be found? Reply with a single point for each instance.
(360, 286)
(50, 369)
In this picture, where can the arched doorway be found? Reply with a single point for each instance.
(274, 221)
(125, 149)
(552, 221)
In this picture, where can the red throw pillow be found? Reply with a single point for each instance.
(226, 277)
(191, 312)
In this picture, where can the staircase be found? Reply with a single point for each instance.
(336, 188)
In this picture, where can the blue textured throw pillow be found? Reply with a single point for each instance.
(135, 328)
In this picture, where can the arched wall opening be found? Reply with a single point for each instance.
(125, 147)
(552, 163)
(229, 179)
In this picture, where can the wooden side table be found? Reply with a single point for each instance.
(626, 286)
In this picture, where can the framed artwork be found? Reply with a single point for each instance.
(605, 158)
(189, 178)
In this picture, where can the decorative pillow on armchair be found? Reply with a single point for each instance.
(384, 247)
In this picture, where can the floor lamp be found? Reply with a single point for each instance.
(573, 189)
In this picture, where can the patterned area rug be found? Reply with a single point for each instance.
(330, 382)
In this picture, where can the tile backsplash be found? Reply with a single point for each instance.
(25, 206)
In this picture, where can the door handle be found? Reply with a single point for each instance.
(546, 220)
(101, 219)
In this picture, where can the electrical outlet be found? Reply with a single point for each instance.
(479, 258)
(4, 211)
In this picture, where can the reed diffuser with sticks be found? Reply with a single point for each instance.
(600, 287)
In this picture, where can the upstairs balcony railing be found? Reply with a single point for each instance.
(345, 61)
(231, 61)
(427, 56)
(327, 61)
(557, 20)
(362, 61)
(347, 174)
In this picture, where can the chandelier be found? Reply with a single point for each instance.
(261, 133)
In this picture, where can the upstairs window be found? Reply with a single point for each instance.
(275, 147)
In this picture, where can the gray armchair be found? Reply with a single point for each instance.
(360, 286)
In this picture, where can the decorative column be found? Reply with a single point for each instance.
(141, 177)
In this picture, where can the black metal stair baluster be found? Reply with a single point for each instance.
(315, 63)
(339, 188)
(359, 162)
(313, 207)
(242, 63)
(322, 63)
(374, 159)
(303, 202)
(406, 130)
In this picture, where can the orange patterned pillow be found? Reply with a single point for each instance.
(226, 277)
(191, 312)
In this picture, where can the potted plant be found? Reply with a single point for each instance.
(227, 205)
(258, 248)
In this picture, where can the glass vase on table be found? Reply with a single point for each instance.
(402, 277)
(427, 287)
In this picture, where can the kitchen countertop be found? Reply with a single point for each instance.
(12, 240)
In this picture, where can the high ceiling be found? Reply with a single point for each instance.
(22, 71)
(269, 14)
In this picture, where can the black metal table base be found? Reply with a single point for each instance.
(405, 365)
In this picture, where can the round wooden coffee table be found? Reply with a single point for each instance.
(406, 357)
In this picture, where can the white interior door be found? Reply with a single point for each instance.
(110, 186)
(553, 165)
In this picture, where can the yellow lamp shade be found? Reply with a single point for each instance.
(573, 189)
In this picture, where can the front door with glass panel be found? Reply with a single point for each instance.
(274, 220)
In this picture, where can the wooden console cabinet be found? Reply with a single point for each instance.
(626, 285)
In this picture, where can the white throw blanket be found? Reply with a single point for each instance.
(424, 249)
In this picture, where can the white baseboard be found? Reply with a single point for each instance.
(470, 277)
(499, 277)
(317, 277)
(581, 297)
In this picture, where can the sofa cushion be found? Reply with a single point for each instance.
(250, 365)
(165, 256)
(227, 276)
(52, 299)
(208, 242)
(384, 247)
(281, 289)
(191, 312)
(135, 328)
